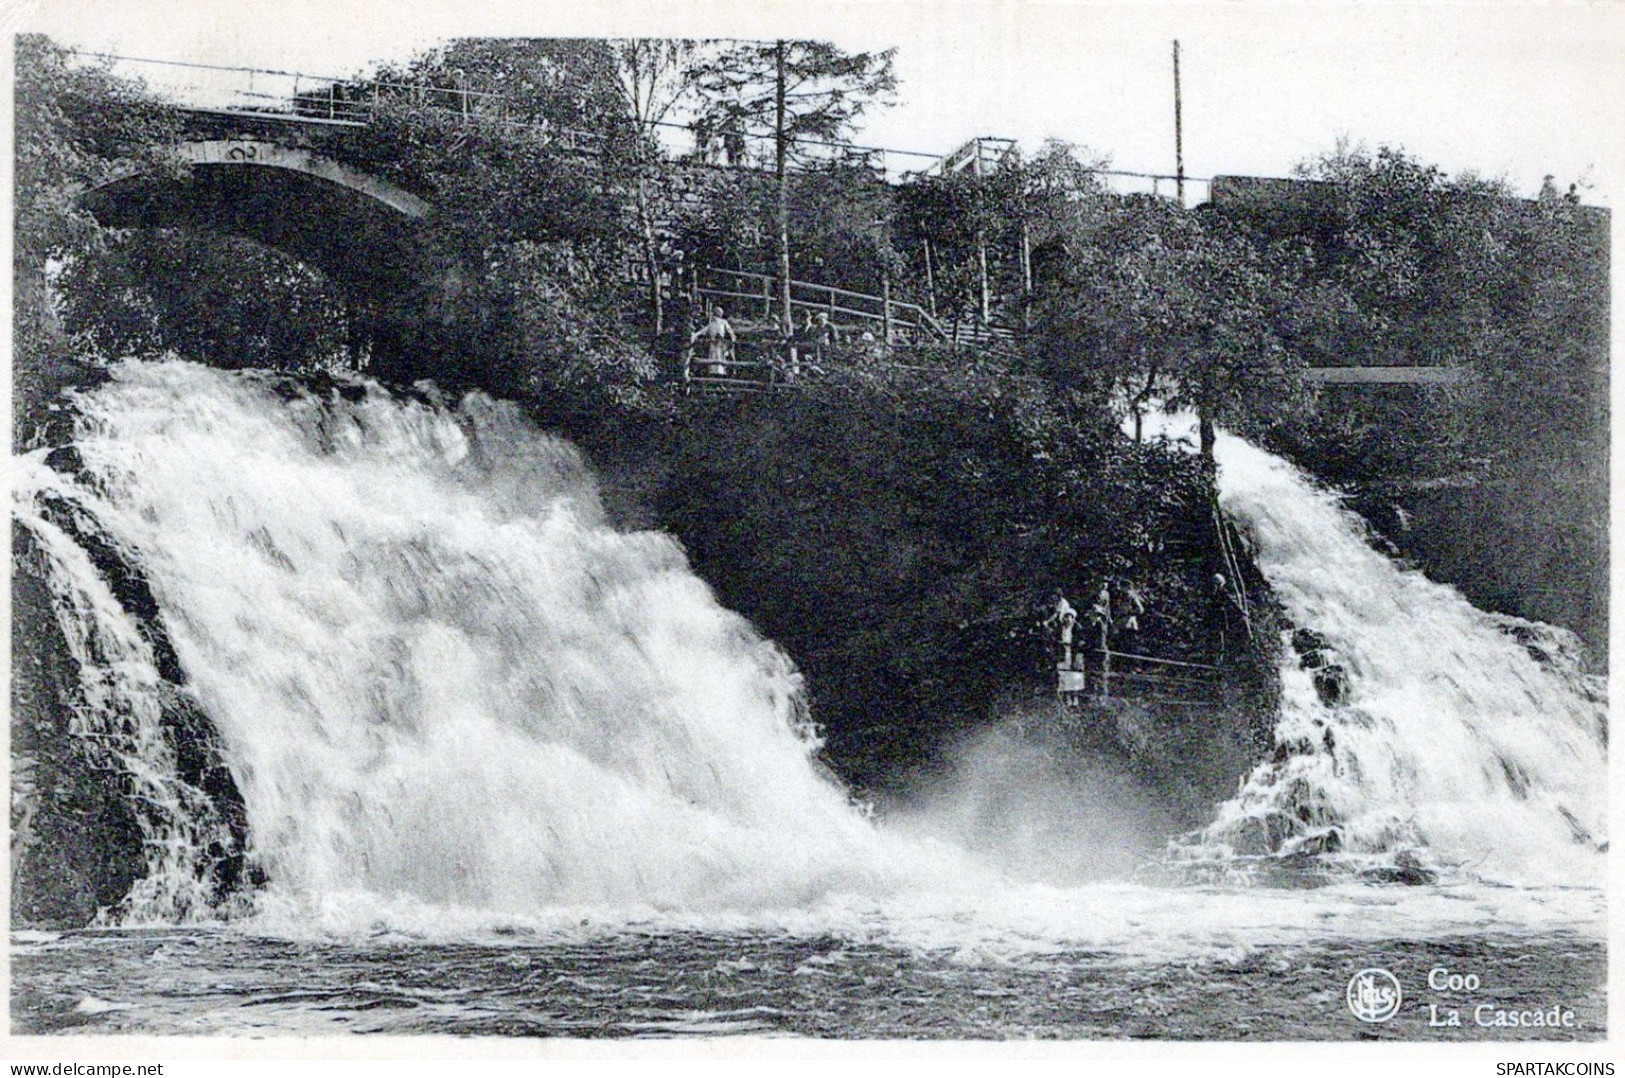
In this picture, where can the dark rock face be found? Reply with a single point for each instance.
(77, 842)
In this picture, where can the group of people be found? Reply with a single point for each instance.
(817, 340)
(1112, 615)
(1063, 620)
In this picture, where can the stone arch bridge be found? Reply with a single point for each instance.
(358, 229)
(290, 189)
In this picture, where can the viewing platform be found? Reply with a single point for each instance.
(834, 327)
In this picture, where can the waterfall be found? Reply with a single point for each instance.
(1437, 731)
(121, 713)
(437, 674)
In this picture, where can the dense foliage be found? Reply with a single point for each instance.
(75, 126)
(212, 299)
(1500, 481)
(903, 542)
(798, 94)
(1160, 307)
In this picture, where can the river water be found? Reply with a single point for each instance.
(509, 771)
(648, 980)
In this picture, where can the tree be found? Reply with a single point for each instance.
(840, 220)
(77, 125)
(1409, 266)
(560, 85)
(1405, 266)
(1544, 357)
(1158, 304)
(1058, 189)
(962, 219)
(207, 297)
(518, 156)
(971, 237)
(653, 76)
(797, 93)
(528, 148)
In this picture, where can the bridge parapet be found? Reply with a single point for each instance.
(293, 97)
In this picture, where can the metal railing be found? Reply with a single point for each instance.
(1173, 681)
(1235, 592)
(734, 375)
(978, 156)
(757, 152)
(304, 97)
(898, 321)
(301, 97)
(861, 329)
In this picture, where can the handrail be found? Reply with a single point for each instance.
(1153, 659)
(1162, 682)
(328, 91)
(1205, 682)
(976, 330)
(339, 80)
(897, 322)
(771, 279)
(1202, 677)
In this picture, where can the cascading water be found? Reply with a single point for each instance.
(1437, 730)
(121, 714)
(502, 769)
(437, 674)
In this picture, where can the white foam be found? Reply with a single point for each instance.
(1454, 739)
(439, 675)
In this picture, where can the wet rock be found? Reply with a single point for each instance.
(1407, 869)
(1332, 684)
(1309, 645)
(1251, 838)
(77, 839)
(1328, 841)
(75, 843)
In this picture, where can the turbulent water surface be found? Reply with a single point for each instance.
(508, 770)
(646, 981)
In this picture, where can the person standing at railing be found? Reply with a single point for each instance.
(1227, 596)
(825, 337)
(1100, 613)
(719, 343)
(1135, 605)
(1062, 620)
(1100, 616)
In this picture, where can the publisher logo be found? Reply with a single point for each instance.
(1374, 995)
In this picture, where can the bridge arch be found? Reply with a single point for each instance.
(255, 153)
(362, 231)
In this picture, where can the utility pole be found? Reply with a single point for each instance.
(930, 278)
(885, 306)
(981, 234)
(781, 150)
(981, 275)
(1179, 134)
(1026, 272)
